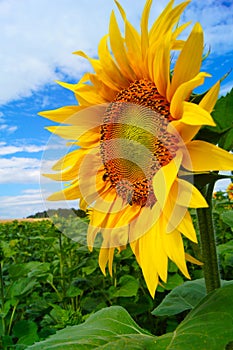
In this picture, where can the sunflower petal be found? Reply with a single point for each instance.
(186, 131)
(194, 114)
(200, 151)
(110, 73)
(174, 248)
(193, 260)
(164, 179)
(189, 61)
(70, 192)
(183, 92)
(161, 65)
(187, 195)
(209, 100)
(62, 115)
(186, 227)
(118, 49)
(144, 28)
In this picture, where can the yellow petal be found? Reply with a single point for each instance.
(187, 195)
(183, 92)
(144, 221)
(86, 119)
(67, 132)
(69, 159)
(94, 62)
(144, 28)
(161, 65)
(70, 192)
(91, 182)
(186, 132)
(88, 95)
(209, 100)
(164, 179)
(189, 61)
(186, 227)
(174, 248)
(110, 73)
(132, 40)
(194, 114)
(193, 260)
(61, 115)
(166, 21)
(207, 157)
(103, 89)
(118, 49)
(106, 256)
(133, 44)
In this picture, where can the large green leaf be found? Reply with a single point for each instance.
(221, 134)
(181, 298)
(222, 113)
(208, 326)
(106, 328)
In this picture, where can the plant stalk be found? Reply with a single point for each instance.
(208, 242)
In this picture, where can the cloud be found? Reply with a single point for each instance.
(20, 170)
(29, 202)
(4, 127)
(11, 149)
(38, 37)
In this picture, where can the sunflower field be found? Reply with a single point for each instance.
(53, 292)
(150, 265)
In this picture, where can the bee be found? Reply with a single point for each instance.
(105, 176)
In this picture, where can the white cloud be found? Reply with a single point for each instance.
(6, 149)
(29, 202)
(38, 37)
(20, 170)
(4, 127)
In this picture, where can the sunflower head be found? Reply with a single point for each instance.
(133, 128)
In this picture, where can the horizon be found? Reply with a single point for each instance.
(37, 46)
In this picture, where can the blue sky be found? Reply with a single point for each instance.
(37, 41)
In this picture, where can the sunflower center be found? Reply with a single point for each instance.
(135, 142)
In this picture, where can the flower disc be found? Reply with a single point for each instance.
(135, 142)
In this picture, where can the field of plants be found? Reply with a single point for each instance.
(49, 281)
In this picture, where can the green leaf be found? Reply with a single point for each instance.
(221, 134)
(226, 140)
(173, 281)
(23, 286)
(222, 113)
(181, 298)
(209, 325)
(110, 328)
(26, 332)
(127, 287)
(227, 217)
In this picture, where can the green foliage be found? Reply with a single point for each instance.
(222, 133)
(182, 298)
(209, 325)
(52, 281)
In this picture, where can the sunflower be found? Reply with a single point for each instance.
(230, 191)
(134, 126)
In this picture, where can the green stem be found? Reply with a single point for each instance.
(61, 266)
(208, 243)
(2, 298)
(12, 317)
